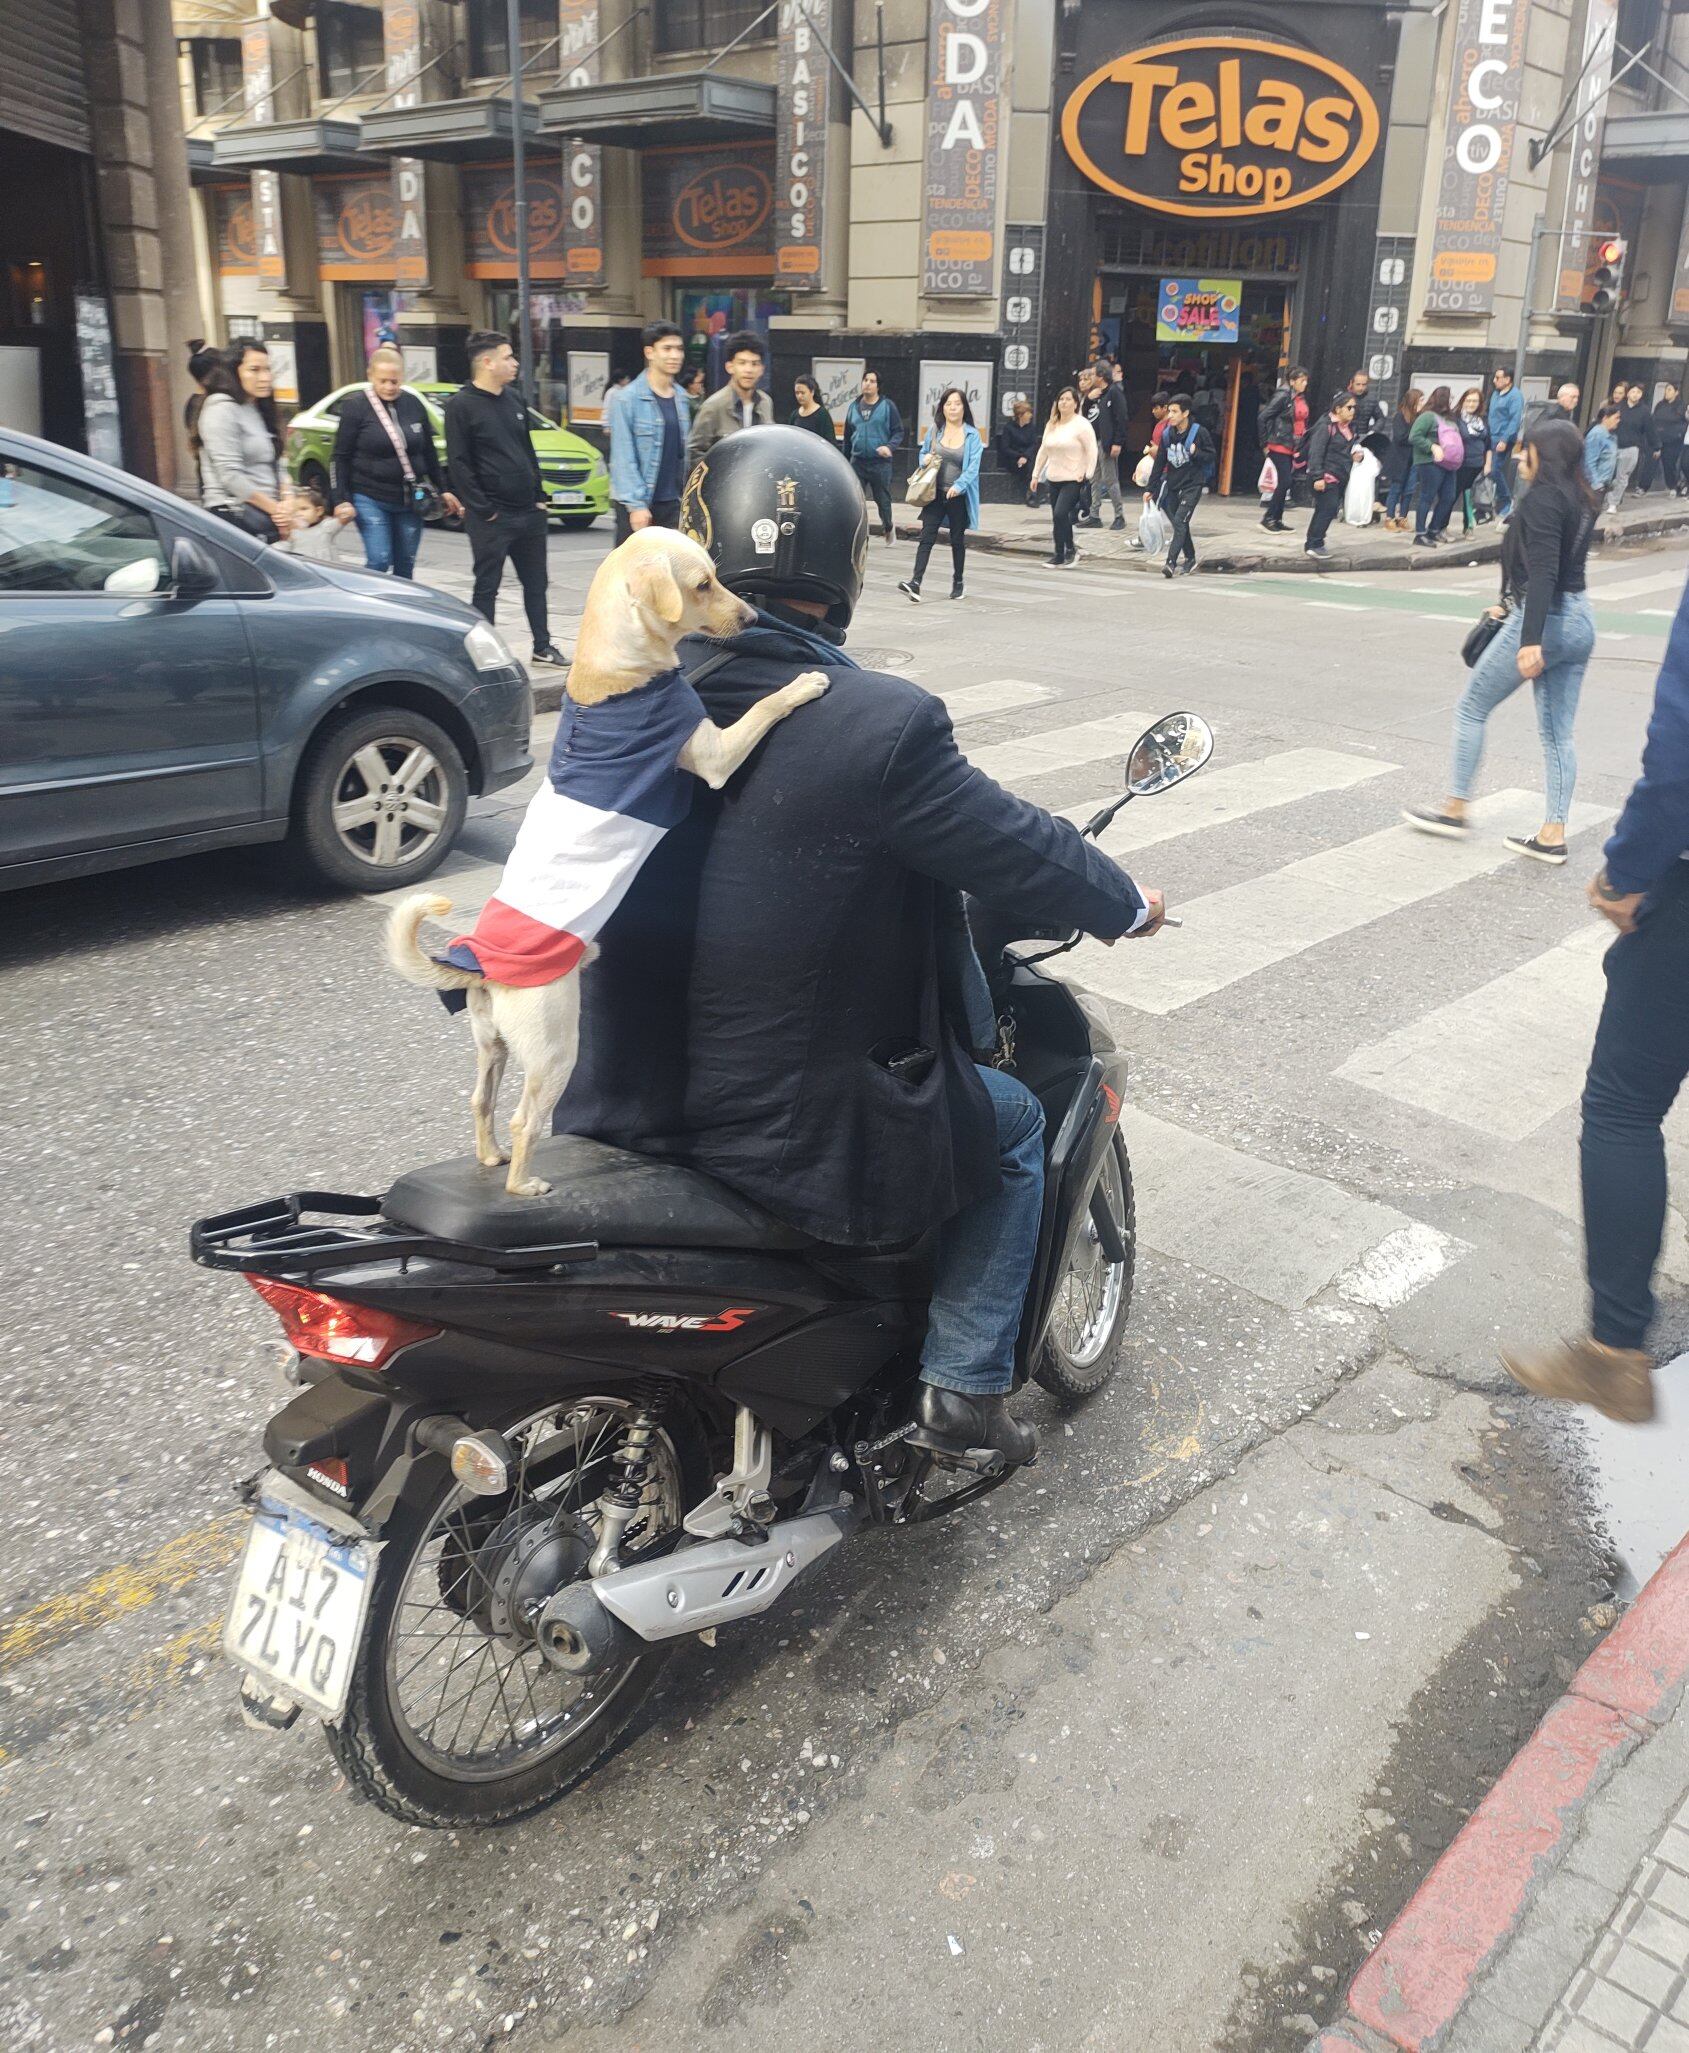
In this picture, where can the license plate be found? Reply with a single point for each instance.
(300, 1601)
(568, 498)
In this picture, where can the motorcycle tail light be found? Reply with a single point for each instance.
(334, 1330)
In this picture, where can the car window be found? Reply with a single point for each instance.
(59, 535)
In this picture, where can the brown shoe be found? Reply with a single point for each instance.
(1618, 1381)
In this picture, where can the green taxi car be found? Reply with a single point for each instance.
(572, 473)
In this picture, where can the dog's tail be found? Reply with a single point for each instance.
(405, 953)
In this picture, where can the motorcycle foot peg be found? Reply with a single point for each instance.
(262, 1711)
(977, 1461)
(576, 1634)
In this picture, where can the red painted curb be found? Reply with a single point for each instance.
(1424, 1968)
(1336, 2042)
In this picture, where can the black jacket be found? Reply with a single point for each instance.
(1276, 422)
(790, 935)
(1669, 419)
(1190, 476)
(1015, 443)
(1107, 412)
(1544, 552)
(1636, 430)
(1398, 457)
(489, 453)
(1329, 447)
(1370, 418)
(365, 459)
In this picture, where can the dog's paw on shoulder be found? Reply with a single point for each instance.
(812, 684)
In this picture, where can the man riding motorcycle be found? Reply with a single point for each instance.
(788, 999)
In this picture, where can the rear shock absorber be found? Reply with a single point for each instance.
(620, 1503)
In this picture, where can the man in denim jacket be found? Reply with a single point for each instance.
(649, 420)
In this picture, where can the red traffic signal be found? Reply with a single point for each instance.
(1611, 252)
(1607, 275)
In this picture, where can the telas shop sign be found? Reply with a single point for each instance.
(1213, 126)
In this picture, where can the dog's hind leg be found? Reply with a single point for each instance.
(491, 1053)
(543, 1028)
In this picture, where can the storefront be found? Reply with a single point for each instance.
(1211, 189)
(708, 219)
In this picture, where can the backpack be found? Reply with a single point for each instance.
(1451, 446)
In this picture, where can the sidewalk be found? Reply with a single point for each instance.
(1229, 537)
(1558, 1920)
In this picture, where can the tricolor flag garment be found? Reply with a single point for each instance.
(613, 790)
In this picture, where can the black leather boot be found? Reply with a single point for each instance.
(967, 1428)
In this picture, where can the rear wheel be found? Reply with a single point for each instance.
(455, 1716)
(1094, 1295)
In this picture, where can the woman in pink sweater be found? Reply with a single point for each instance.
(1066, 456)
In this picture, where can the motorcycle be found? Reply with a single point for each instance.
(537, 1442)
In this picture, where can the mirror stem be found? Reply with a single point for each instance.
(1093, 827)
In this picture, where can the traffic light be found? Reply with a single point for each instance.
(1607, 278)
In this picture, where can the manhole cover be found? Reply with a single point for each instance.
(882, 659)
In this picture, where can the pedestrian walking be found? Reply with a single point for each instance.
(1546, 638)
(1283, 428)
(1017, 447)
(1333, 445)
(241, 478)
(809, 412)
(1634, 435)
(1562, 407)
(1183, 464)
(492, 468)
(1438, 452)
(1067, 455)
(741, 402)
(1601, 449)
(1669, 426)
(1506, 417)
(1103, 404)
(1474, 460)
(959, 447)
(1398, 460)
(650, 418)
(873, 428)
(386, 471)
(1637, 1068)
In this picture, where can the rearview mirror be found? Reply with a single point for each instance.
(1176, 747)
(192, 572)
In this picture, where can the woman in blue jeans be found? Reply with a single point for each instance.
(1546, 639)
(385, 462)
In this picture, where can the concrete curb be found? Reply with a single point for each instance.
(1420, 1975)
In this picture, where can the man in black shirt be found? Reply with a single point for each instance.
(493, 469)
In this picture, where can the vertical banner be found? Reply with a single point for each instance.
(1489, 76)
(401, 29)
(258, 79)
(966, 57)
(1386, 321)
(583, 162)
(800, 144)
(1680, 277)
(1023, 310)
(1600, 25)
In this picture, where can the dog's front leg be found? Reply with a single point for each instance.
(714, 753)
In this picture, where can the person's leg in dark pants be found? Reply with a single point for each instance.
(489, 542)
(875, 474)
(931, 514)
(1281, 488)
(527, 555)
(1063, 498)
(1326, 505)
(1180, 507)
(957, 513)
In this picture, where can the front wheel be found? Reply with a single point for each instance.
(455, 1716)
(1094, 1295)
(380, 800)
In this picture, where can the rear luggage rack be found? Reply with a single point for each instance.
(275, 1238)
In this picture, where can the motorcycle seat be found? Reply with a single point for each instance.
(599, 1193)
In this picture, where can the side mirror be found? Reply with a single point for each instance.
(193, 573)
(1176, 747)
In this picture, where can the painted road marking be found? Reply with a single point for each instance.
(1218, 797)
(1602, 588)
(994, 695)
(1060, 748)
(1507, 1056)
(1402, 1263)
(1232, 934)
(1275, 1232)
(1408, 598)
(129, 1586)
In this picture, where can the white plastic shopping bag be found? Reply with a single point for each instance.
(1359, 492)
(1155, 530)
(1267, 483)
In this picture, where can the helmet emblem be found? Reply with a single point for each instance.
(786, 494)
(763, 536)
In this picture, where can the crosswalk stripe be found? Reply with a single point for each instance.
(1218, 797)
(1507, 1056)
(1233, 933)
(1060, 748)
(1601, 588)
(994, 695)
(1200, 1201)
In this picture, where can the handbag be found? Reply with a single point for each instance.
(923, 481)
(420, 494)
(1479, 635)
(1142, 470)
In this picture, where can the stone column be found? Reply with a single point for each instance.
(184, 314)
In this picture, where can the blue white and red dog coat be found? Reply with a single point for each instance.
(613, 789)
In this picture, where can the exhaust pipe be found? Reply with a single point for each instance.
(700, 1587)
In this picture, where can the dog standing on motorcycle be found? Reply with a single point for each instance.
(788, 999)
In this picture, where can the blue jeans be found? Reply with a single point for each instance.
(1641, 1057)
(1568, 642)
(1396, 499)
(390, 535)
(985, 1257)
(1433, 495)
(1502, 473)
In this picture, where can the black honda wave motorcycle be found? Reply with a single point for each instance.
(536, 1442)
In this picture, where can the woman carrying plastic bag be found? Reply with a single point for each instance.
(1360, 494)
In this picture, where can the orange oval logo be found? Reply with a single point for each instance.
(722, 206)
(1220, 126)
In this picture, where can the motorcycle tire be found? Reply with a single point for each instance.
(1077, 1363)
(370, 1742)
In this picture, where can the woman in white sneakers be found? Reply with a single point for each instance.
(1066, 457)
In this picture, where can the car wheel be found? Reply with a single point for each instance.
(380, 800)
(575, 520)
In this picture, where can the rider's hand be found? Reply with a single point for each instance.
(1157, 903)
(1620, 909)
(639, 517)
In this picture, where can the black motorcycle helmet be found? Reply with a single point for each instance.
(782, 516)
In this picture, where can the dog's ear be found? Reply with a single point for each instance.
(652, 583)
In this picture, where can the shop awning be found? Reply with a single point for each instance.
(449, 131)
(307, 146)
(225, 18)
(202, 160)
(677, 107)
(1652, 147)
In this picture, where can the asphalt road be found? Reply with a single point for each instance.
(1134, 1756)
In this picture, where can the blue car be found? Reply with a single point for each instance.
(168, 684)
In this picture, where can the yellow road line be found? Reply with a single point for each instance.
(114, 1592)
